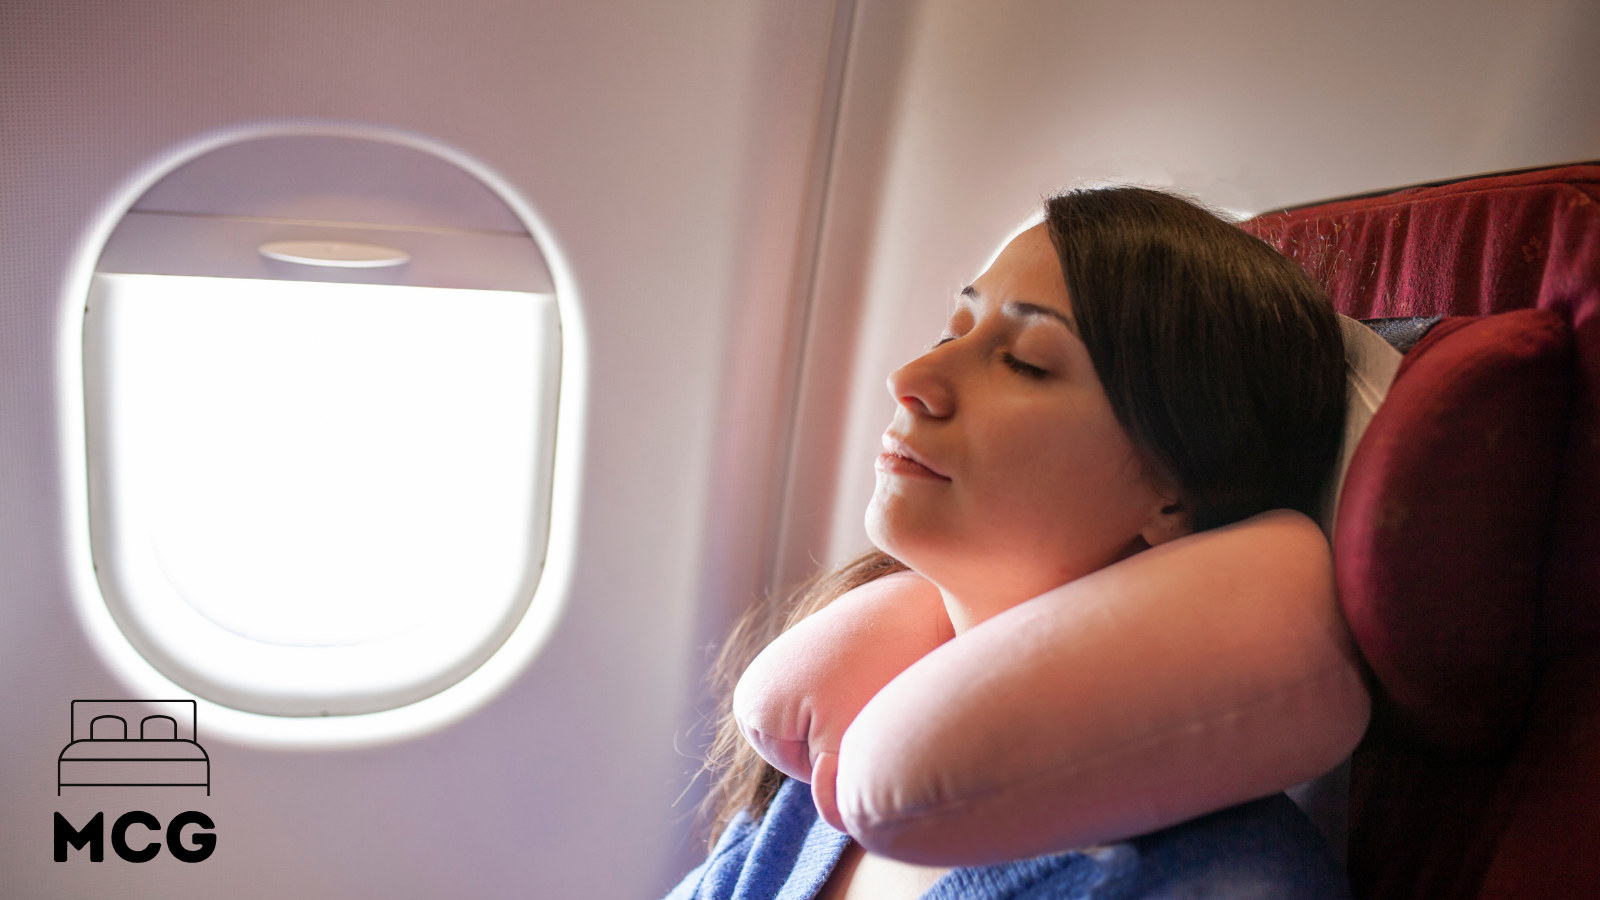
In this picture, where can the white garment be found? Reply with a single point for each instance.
(1370, 365)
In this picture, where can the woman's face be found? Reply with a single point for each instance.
(1005, 471)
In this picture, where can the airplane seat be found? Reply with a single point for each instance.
(1467, 546)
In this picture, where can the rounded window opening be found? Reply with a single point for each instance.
(320, 385)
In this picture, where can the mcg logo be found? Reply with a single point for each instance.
(105, 753)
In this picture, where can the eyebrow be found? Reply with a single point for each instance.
(1023, 308)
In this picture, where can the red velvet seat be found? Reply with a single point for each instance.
(1468, 544)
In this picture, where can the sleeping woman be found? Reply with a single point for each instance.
(1098, 633)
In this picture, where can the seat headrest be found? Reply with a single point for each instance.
(1444, 522)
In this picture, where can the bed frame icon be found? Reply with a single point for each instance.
(103, 752)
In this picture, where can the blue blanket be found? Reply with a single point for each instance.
(1263, 849)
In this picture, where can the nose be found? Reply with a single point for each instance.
(923, 386)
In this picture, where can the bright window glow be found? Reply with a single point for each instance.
(309, 498)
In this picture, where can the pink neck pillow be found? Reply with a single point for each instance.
(1202, 673)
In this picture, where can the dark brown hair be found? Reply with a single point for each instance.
(1222, 360)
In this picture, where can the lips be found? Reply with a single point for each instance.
(899, 458)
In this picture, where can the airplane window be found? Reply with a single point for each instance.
(309, 493)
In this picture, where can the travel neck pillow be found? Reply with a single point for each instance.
(1202, 673)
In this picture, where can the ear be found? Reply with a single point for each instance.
(1167, 521)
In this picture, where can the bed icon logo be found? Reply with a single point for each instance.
(133, 743)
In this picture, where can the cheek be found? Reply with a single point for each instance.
(1050, 448)
(1077, 483)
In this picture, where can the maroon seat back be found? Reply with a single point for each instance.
(1468, 544)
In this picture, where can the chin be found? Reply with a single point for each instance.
(896, 526)
(891, 535)
(877, 530)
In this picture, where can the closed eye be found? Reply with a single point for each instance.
(1022, 368)
(940, 342)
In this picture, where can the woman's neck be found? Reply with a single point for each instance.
(962, 615)
(984, 595)
(969, 608)
(860, 875)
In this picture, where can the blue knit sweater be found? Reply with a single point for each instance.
(1263, 849)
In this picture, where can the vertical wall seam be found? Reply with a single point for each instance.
(841, 46)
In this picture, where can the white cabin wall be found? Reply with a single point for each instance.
(671, 150)
(1249, 105)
